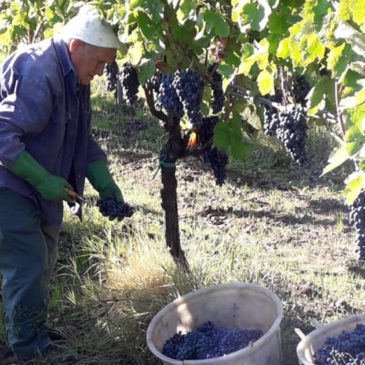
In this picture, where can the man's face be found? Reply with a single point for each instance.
(88, 60)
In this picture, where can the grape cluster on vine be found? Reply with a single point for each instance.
(189, 88)
(218, 161)
(347, 348)
(301, 89)
(357, 221)
(111, 71)
(271, 118)
(208, 341)
(114, 210)
(292, 132)
(128, 78)
(218, 94)
(168, 99)
(205, 133)
(289, 126)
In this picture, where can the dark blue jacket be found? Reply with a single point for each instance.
(45, 112)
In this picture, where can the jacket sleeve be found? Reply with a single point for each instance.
(25, 108)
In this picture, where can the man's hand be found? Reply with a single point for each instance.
(100, 178)
(50, 187)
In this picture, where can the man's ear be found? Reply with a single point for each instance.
(75, 44)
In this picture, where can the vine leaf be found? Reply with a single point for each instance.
(353, 10)
(146, 70)
(339, 157)
(354, 184)
(216, 22)
(356, 115)
(221, 136)
(265, 82)
(337, 60)
(316, 95)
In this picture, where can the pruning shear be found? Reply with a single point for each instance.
(75, 196)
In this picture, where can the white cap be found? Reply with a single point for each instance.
(90, 28)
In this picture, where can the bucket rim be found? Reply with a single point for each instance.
(306, 342)
(221, 359)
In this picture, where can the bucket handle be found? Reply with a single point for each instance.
(303, 337)
(300, 333)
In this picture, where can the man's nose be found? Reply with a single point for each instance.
(99, 70)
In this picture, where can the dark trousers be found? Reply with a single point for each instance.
(27, 259)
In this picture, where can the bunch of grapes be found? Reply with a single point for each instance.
(208, 341)
(218, 95)
(205, 133)
(114, 210)
(168, 99)
(218, 161)
(129, 80)
(271, 118)
(301, 89)
(357, 221)
(292, 132)
(111, 71)
(189, 88)
(347, 348)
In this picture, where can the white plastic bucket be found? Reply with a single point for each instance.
(232, 305)
(312, 342)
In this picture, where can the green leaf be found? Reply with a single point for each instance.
(146, 69)
(337, 61)
(257, 15)
(221, 136)
(353, 147)
(185, 33)
(186, 11)
(154, 8)
(316, 95)
(360, 97)
(284, 48)
(278, 21)
(354, 186)
(136, 52)
(353, 10)
(351, 35)
(356, 115)
(340, 156)
(216, 22)
(146, 25)
(240, 150)
(265, 82)
(353, 133)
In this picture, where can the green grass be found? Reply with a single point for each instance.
(271, 224)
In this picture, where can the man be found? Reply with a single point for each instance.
(46, 148)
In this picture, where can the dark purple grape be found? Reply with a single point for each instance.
(114, 210)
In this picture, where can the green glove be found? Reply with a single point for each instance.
(99, 176)
(51, 187)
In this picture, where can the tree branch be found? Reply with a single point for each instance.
(151, 105)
